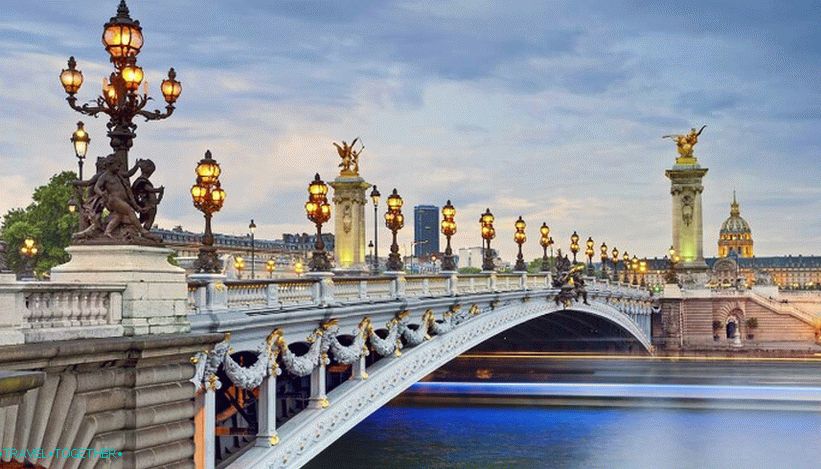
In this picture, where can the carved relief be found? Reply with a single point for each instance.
(347, 218)
(687, 206)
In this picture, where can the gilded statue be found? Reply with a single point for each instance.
(350, 157)
(686, 142)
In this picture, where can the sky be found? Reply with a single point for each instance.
(549, 110)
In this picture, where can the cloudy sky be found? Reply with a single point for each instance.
(554, 111)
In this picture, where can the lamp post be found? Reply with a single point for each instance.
(120, 99)
(574, 245)
(603, 252)
(375, 199)
(545, 241)
(589, 253)
(28, 250)
(208, 197)
(626, 261)
(520, 237)
(673, 260)
(448, 229)
(615, 259)
(634, 266)
(394, 221)
(370, 249)
(252, 228)
(79, 140)
(239, 265)
(271, 266)
(488, 233)
(318, 211)
(643, 271)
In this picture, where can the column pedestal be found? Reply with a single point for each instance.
(349, 223)
(155, 298)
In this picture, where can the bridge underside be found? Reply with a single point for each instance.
(563, 331)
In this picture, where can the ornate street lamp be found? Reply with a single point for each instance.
(208, 198)
(488, 233)
(615, 258)
(545, 241)
(394, 221)
(603, 255)
(574, 245)
(318, 211)
(520, 237)
(120, 99)
(589, 253)
(271, 266)
(239, 265)
(448, 229)
(252, 228)
(80, 139)
(299, 268)
(673, 260)
(634, 266)
(28, 250)
(643, 271)
(626, 261)
(375, 199)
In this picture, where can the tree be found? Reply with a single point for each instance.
(535, 266)
(47, 220)
(469, 270)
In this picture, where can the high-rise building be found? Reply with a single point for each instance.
(425, 230)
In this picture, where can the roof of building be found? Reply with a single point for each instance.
(771, 262)
(734, 224)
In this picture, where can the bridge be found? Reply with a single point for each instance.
(271, 372)
(358, 342)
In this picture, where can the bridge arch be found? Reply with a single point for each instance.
(312, 430)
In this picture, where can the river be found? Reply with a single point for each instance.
(689, 416)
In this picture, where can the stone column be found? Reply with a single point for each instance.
(688, 235)
(267, 412)
(349, 222)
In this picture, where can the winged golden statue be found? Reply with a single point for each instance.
(686, 142)
(350, 157)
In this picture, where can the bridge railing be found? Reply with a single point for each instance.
(326, 290)
(46, 311)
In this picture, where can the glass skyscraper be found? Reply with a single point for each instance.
(425, 230)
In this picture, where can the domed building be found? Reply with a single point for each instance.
(735, 238)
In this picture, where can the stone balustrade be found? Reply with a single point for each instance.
(48, 311)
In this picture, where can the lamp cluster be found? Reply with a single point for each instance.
(120, 98)
(488, 233)
(394, 221)
(208, 197)
(519, 237)
(448, 229)
(318, 211)
(545, 241)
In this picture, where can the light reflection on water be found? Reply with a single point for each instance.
(505, 436)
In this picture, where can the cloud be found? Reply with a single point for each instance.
(550, 111)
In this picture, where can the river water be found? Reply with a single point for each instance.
(503, 436)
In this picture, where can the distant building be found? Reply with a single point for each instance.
(735, 236)
(472, 258)
(285, 251)
(425, 230)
